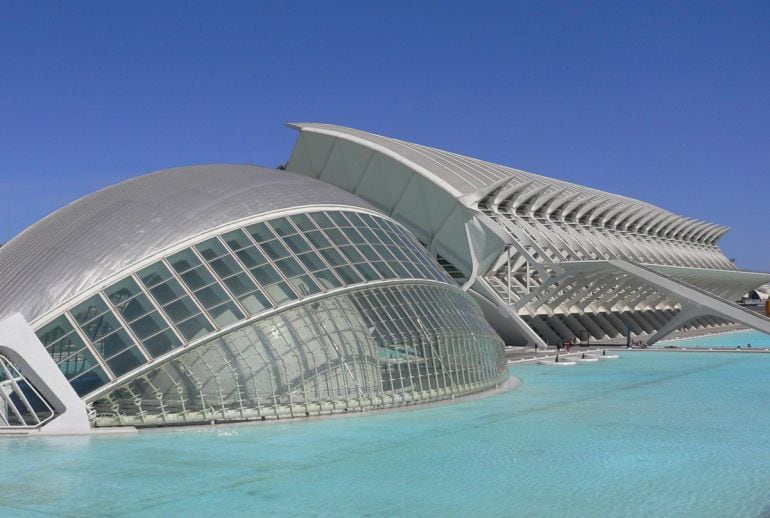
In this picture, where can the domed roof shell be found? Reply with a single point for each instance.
(104, 233)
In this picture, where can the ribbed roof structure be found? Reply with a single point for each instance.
(465, 176)
(88, 241)
(556, 259)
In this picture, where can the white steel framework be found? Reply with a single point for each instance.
(548, 260)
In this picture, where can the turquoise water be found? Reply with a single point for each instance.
(649, 434)
(740, 338)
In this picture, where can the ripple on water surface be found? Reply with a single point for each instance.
(653, 434)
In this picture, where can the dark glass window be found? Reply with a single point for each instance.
(211, 249)
(197, 278)
(237, 240)
(184, 260)
(154, 274)
(122, 290)
(260, 232)
(89, 309)
(134, 308)
(251, 257)
(161, 343)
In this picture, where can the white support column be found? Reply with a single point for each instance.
(509, 275)
(528, 281)
(19, 344)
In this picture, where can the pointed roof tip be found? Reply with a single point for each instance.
(299, 126)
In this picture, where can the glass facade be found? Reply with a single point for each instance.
(223, 280)
(369, 348)
(196, 323)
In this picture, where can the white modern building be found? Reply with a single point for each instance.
(227, 293)
(547, 260)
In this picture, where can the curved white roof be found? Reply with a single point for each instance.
(98, 236)
(472, 179)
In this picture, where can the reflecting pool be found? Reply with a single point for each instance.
(736, 339)
(648, 434)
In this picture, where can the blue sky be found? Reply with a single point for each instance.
(668, 102)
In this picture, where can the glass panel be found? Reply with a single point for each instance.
(333, 257)
(211, 249)
(297, 244)
(369, 235)
(413, 270)
(282, 227)
(225, 266)
(352, 254)
(126, 361)
(281, 292)
(337, 237)
(303, 222)
(195, 328)
(290, 267)
(100, 326)
(226, 314)
(240, 284)
(327, 279)
(386, 238)
(181, 309)
(383, 270)
(65, 347)
(322, 220)
(400, 270)
(338, 219)
(167, 292)
(184, 260)
(266, 275)
(348, 275)
(54, 331)
(255, 302)
(355, 219)
(377, 224)
(149, 325)
(113, 344)
(212, 296)
(122, 290)
(89, 381)
(154, 274)
(89, 309)
(78, 363)
(399, 254)
(236, 240)
(368, 272)
(197, 278)
(134, 308)
(161, 343)
(251, 257)
(274, 249)
(318, 239)
(260, 232)
(369, 252)
(305, 286)
(383, 251)
(367, 219)
(312, 262)
(353, 235)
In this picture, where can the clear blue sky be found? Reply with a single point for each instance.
(668, 102)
